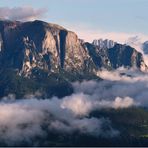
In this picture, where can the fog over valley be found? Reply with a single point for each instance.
(26, 119)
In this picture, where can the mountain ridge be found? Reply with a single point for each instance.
(46, 46)
(43, 57)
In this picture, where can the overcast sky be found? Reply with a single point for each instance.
(117, 19)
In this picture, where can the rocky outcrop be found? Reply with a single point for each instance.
(104, 43)
(32, 45)
(118, 56)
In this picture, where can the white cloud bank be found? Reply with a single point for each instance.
(26, 13)
(28, 119)
(81, 104)
(24, 120)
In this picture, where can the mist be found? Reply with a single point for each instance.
(29, 118)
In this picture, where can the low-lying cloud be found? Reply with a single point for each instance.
(26, 13)
(120, 83)
(27, 119)
(82, 104)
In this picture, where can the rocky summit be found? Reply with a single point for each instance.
(104, 43)
(30, 45)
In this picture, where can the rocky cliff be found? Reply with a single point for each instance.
(39, 45)
(117, 56)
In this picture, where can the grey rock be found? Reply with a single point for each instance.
(117, 56)
(37, 44)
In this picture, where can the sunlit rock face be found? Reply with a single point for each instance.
(30, 45)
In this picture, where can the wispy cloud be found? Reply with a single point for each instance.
(88, 33)
(25, 13)
(121, 37)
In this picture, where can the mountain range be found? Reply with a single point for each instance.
(45, 57)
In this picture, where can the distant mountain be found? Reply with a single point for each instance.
(45, 57)
(104, 43)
